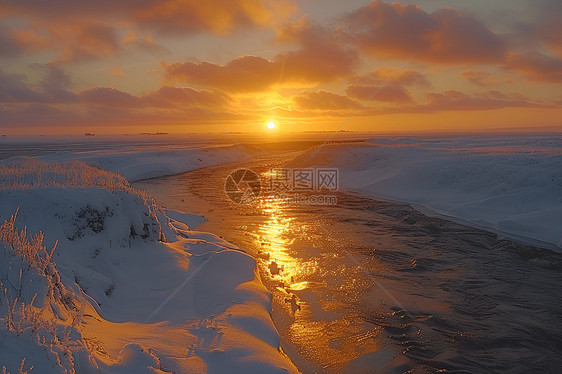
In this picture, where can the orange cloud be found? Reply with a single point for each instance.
(81, 42)
(319, 60)
(406, 31)
(17, 42)
(72, 41)
(324, 100)
(217, 16)
(481, 78)
(387, 93)
(164, 97)
(167, 96)
(537, 67)
(322, 57)
(22, 106)
(167, 16)
(246, 73)
(390, 75)
(88, 30)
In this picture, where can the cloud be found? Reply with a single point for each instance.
(8, 46)
(548, 27)
(537, 67)
(56, 83)
(386, 75)
(324, 100)
(110, 97)
(89, 31)
(72, 41)
(387, 93)
(108, 106)
(481, 78)
(167, 96)
(243, 74)
(14, 43)
(386, 84)
(14, 89)
(217, 16)
(320, 59)
(80, 42)
(53, 88)
(406, 31)
(177, 17)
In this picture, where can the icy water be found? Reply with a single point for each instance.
(368, 286)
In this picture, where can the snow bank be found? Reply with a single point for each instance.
(510, 185)
(152, 163)
(127, 288)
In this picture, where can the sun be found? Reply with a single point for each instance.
(271, 125)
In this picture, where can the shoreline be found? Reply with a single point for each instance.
(429, 212)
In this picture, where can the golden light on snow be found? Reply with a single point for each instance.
(271, 125)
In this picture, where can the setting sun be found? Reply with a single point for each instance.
(271, 125)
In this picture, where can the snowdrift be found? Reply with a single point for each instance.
(95, 278)
(512, 186)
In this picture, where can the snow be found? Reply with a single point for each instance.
(153, 163)
(190, 220)
(512, 186)
(130, 288)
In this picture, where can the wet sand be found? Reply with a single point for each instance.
(369, 286)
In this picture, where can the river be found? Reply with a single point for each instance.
(367, 286)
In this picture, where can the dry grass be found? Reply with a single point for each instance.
(26, 172)
(21, 369)
(29, 248)
(26, 319)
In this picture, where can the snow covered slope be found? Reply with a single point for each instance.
(510, 185)
(127, 289)
(152, 163)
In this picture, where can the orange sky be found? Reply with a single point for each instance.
(199, 66)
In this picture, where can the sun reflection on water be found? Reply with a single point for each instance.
(277, 235)
(292, 248)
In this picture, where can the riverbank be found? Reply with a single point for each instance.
(96, 278)
(511, 186)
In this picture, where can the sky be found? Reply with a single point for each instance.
(184, 66)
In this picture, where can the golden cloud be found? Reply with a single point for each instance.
(324, 101)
